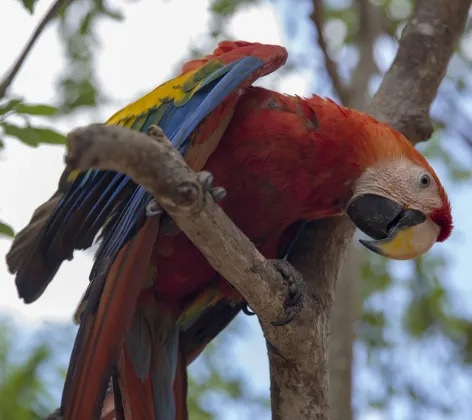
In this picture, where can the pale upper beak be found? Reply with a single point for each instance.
(398, 233)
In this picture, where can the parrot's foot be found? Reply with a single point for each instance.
(296, 291)
(168, 226)
(206, 179)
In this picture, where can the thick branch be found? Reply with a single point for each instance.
(410, 86)
(161, 170)
(48, 17)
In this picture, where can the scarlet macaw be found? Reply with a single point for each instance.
(283, 160)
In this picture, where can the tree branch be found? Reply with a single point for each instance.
(48, 17)
(159, 168)
(317, 18)
(410, 86)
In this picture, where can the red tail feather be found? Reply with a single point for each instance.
(105, 331)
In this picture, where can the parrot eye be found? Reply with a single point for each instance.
(424, 180)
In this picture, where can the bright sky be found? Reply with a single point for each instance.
(126, 67)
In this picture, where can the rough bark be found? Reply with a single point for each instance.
(408, 89)
(159, 168)
(298, 352)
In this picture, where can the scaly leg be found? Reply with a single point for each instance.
(296, 286)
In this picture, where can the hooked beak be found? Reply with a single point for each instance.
(398, 233)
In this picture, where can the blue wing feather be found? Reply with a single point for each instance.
(178, 121)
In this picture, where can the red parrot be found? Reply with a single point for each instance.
(154, 301)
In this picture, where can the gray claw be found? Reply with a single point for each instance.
(293, 303)
(153, 208)
(286, 319)
(168, 226)
(218, 193)
(205, 179)
(246, 310)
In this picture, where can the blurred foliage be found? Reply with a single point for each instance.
(77, 86)
(29, 368)
(14, 110)
(216, 383)
(29, 5)
(411, 322)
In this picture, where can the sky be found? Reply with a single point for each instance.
(29, 175)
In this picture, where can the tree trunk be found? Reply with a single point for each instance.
(346, 311)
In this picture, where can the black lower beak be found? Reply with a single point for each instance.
(378, 216)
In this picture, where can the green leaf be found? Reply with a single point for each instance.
(25, 134)
(6, 230)
(29, 5)
(18, 107)
(9, 106)
(33, 136)
(38, 109)
(49, 136)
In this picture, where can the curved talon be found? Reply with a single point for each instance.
(205, 179)
(286, 319)
(246, 310)
(293, 303)
(218, 193)
(295, 294)
(156, 132)
(153, 209)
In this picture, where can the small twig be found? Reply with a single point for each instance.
(371, 23)
(317, 18)
(48, 17)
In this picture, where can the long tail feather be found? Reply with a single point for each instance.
(102, 331)
(165, 341)
(181, 386)
(136, 393)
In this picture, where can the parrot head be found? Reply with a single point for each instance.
(398, 199)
